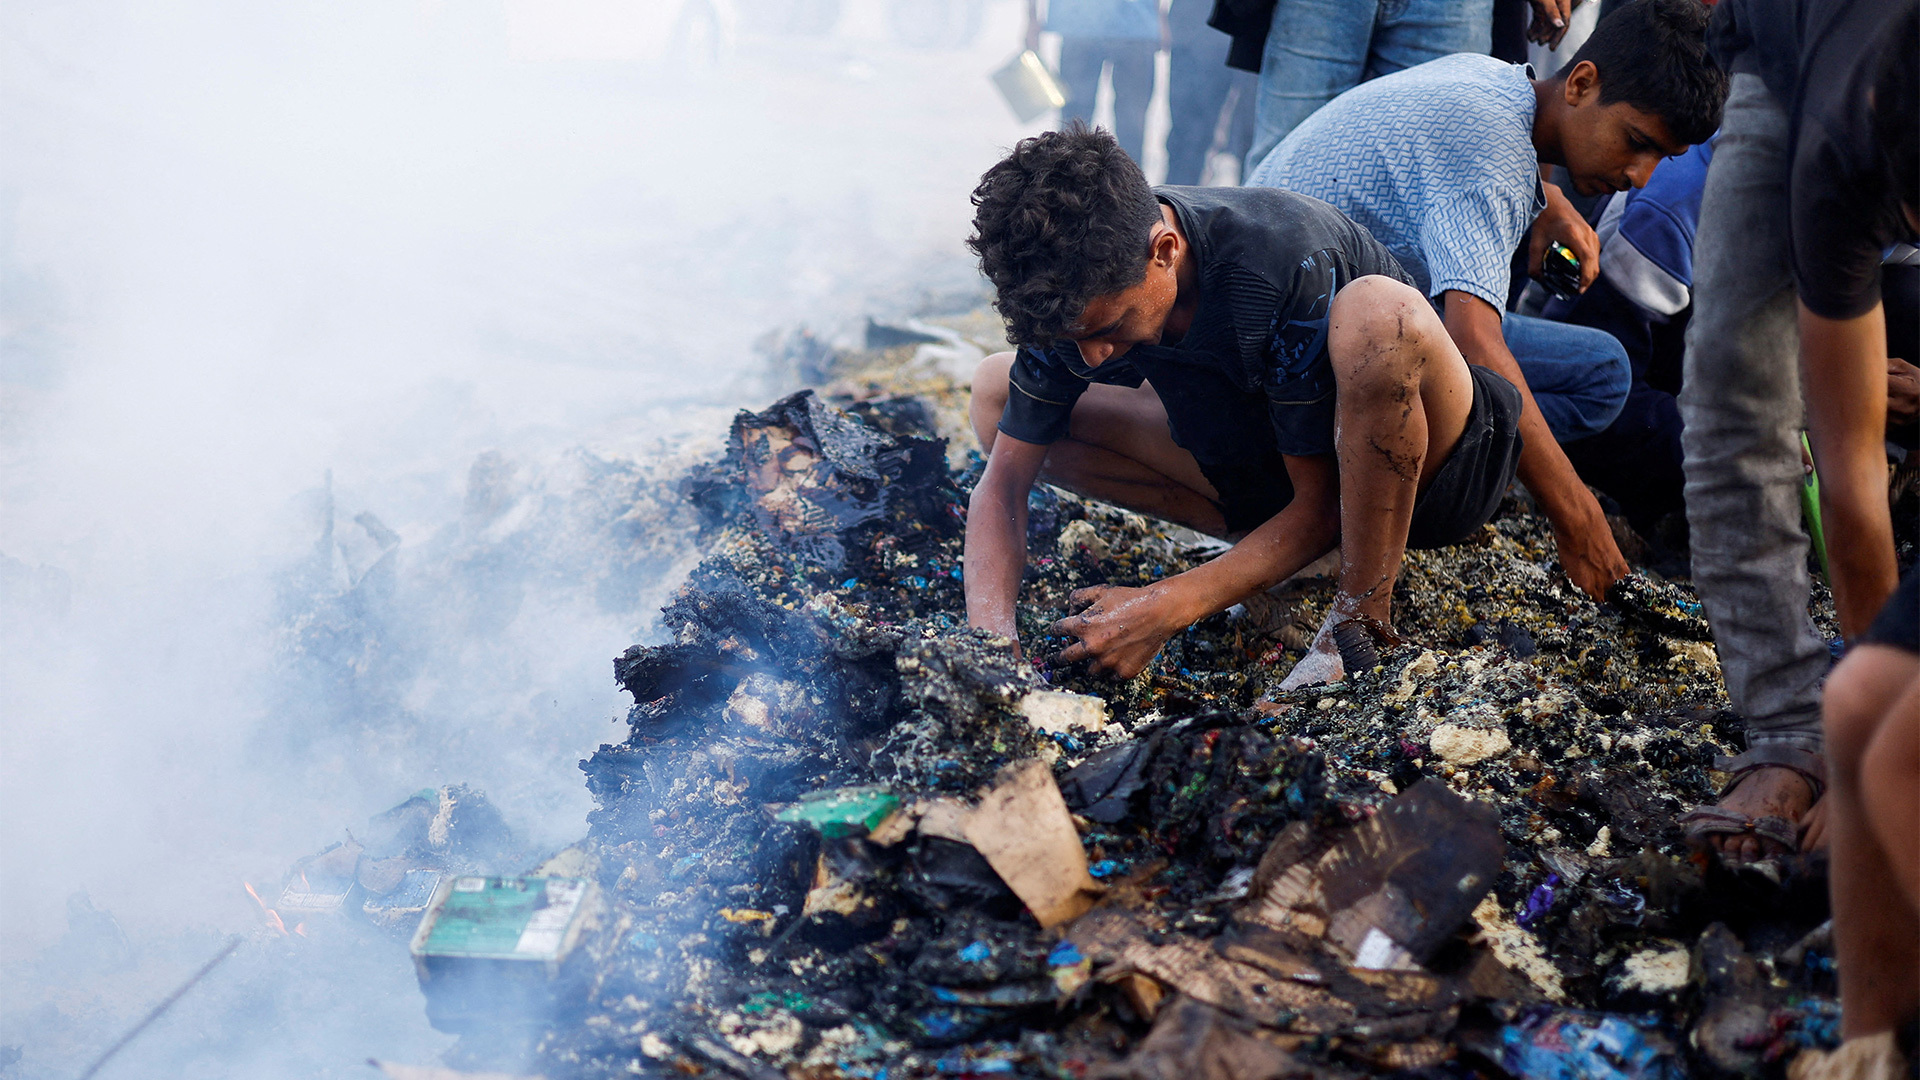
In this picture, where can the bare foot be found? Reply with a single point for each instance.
(1775, 792)
(1813, 827)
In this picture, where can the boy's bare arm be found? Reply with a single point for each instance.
(1843, 364)
(996, 546)
(1587, 551)
(1121, 629)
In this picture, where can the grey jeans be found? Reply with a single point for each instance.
(1743, 412)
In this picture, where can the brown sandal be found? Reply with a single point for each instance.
(1704, 822)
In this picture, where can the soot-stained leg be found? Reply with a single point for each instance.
(1403, 394)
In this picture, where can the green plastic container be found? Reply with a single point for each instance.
(849, 811)
(496, 950)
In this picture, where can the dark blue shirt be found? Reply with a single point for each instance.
(1269, 264)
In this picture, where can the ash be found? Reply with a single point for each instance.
(822, 645)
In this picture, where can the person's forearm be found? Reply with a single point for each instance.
(1308, 528)
(996, 557)
(1588, 554)
(1544, 467)
(1859, 533)
(1843, 365)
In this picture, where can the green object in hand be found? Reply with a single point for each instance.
(1810, 508)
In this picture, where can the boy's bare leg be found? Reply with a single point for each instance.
(1117, 449)
(1403, 399)
(1872, 717)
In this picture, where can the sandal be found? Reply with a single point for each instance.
(1703, 822)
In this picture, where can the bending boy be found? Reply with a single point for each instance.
(1442, 163)
(1245, 362)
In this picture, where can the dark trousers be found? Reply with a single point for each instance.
(1082, 60)
(1199, 86)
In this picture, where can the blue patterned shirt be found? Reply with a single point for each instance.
(1436, 161)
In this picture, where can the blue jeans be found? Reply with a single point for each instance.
(1319, 49)
(1579, 376)
(1199, 82)
(1130, 61)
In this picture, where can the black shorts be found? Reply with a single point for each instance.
(1465, 494)
(1898, 623)
(1234, 448)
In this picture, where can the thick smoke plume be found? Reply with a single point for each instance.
(349, 353)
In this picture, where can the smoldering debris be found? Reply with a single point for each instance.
(850, 837)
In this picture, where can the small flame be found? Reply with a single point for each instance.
(272, 916)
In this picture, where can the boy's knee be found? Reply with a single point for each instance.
(1376, 316)
(988, 397)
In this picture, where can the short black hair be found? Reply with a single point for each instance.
(1063, 218)
(1652, 54)
(1896, 108)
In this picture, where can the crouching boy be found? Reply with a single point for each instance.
(1246, 362)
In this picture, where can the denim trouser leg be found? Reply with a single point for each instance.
(1417, 31)
(1198, 82)
(1082, 60)
(1315, 50)
(1741, 404)
(1318, 49)
(1579, 376)
(1132, 74)
(1246, 88)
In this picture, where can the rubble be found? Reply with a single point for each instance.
(850, 837)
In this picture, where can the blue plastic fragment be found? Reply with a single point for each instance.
(1064, 955)
(958, 1065)
(1629, 907)
(1818, 1023)
(975, 952)
(944, 1023)
(1574, 1045)
(850, 583)
(1539, 902)
(1103, 868)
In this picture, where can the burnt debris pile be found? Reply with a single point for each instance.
(850, 837)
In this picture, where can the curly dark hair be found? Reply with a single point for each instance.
(1652, 54)
(1067, 216)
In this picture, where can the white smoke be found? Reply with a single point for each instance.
(268, 267)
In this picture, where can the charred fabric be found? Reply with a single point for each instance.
(849, 837)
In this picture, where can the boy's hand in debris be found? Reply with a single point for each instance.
(1120, 629)
(1589, 556)
(1560, 221)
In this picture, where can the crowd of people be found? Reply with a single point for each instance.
(1670, 270)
